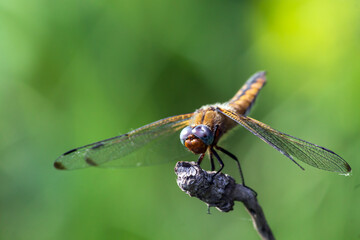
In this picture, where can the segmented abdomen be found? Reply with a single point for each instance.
(245, 97)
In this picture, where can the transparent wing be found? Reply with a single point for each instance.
(157, 137)
(290, 146)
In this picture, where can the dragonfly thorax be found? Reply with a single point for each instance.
(197, 138)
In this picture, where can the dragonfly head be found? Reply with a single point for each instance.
(197, 138)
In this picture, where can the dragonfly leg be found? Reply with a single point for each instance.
(234, 158)
(219, 160)
(212, 161)
(201, 157)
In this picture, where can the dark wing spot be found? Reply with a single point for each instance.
(59, 165)
(70, 151)
(348, 168)
(90, 162)
(97, 146)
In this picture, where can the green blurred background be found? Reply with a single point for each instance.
(74, 72)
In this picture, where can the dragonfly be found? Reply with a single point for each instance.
(200, 133)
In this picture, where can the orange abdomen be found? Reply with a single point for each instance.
(245, 97)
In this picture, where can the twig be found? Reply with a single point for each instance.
(221, 191)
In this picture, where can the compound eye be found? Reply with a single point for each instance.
(185, 133)
(204, 133)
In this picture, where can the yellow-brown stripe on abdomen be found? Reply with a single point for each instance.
(244, 98)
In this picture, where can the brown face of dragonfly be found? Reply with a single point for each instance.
(197, 138)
